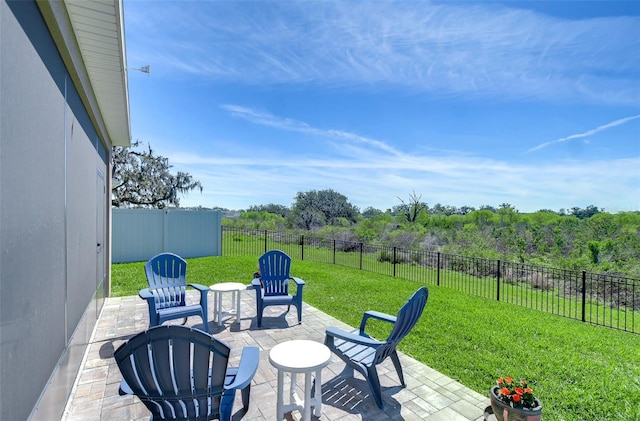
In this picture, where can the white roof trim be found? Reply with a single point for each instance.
(89, 35)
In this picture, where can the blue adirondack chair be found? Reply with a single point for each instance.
(182, 373)
(363, 353)
(166, 275)
(272, 287)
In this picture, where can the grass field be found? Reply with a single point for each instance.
(554, 291)
(579, 371)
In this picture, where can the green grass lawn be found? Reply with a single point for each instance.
(579, 371)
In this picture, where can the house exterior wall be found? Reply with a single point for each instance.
(50, 158)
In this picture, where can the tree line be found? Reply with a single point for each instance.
(575, 238)
(579, 239)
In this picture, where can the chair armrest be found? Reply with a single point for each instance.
(257, 285)
(246, 369)
(335, 332)
(204, 293)
(124, 389)
(199, 287)
(145, 293)
(299, 286)
(371, 314)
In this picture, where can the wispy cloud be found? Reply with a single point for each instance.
(480, 49)
(371, 176)
(585, 134)
(267, 119)
(379, 180)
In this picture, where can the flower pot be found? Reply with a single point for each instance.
(504, 412)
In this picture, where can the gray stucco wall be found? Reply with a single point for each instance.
(50, 158)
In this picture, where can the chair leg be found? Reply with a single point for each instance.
(154, 320)
(246, 395)
(259, 306)
(205, 324)
(203, 316)
(259, 315)
(374, 385)
(205, 311)
(226, 404)
(396, 363)
(347, 372)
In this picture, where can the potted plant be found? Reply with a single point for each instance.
(515, 401)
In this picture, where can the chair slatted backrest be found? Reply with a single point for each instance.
(167, 277)
(406, 319)
(176, 371)
(274, 273)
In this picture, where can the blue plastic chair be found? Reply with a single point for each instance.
(182, 373)
(363, 353)
(272, 287)
(166, 275)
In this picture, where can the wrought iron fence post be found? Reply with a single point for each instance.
(498, 282)
(584, 295)
(394, 261)
(334, 252)
(438, 270)
(265, 241)
(361, 248)
(302, 248)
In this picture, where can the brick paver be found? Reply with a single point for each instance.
(429, 395)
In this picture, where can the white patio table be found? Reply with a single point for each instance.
(235, 288)
(294, 357)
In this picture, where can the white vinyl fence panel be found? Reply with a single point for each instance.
(140, 234)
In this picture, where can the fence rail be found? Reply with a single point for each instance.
(606, 300)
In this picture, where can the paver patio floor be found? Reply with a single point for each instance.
(429, 395)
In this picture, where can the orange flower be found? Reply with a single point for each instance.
(517, 394)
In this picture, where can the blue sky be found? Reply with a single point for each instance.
(536, 104)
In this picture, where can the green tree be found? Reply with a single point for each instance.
(370, 212)
(508, 214)
(271, 208)
(588, 212)
(412, 209)
(489, 208)
(316, 208)
(143, 179)
(594, 251)
(439, 209)
(481, 217)
(465, 210)
(261, 220)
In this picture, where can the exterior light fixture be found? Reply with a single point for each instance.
(144, 69)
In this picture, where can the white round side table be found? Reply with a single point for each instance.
(218, 291)
(294, 357)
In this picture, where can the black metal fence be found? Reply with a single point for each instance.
(601, 299)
